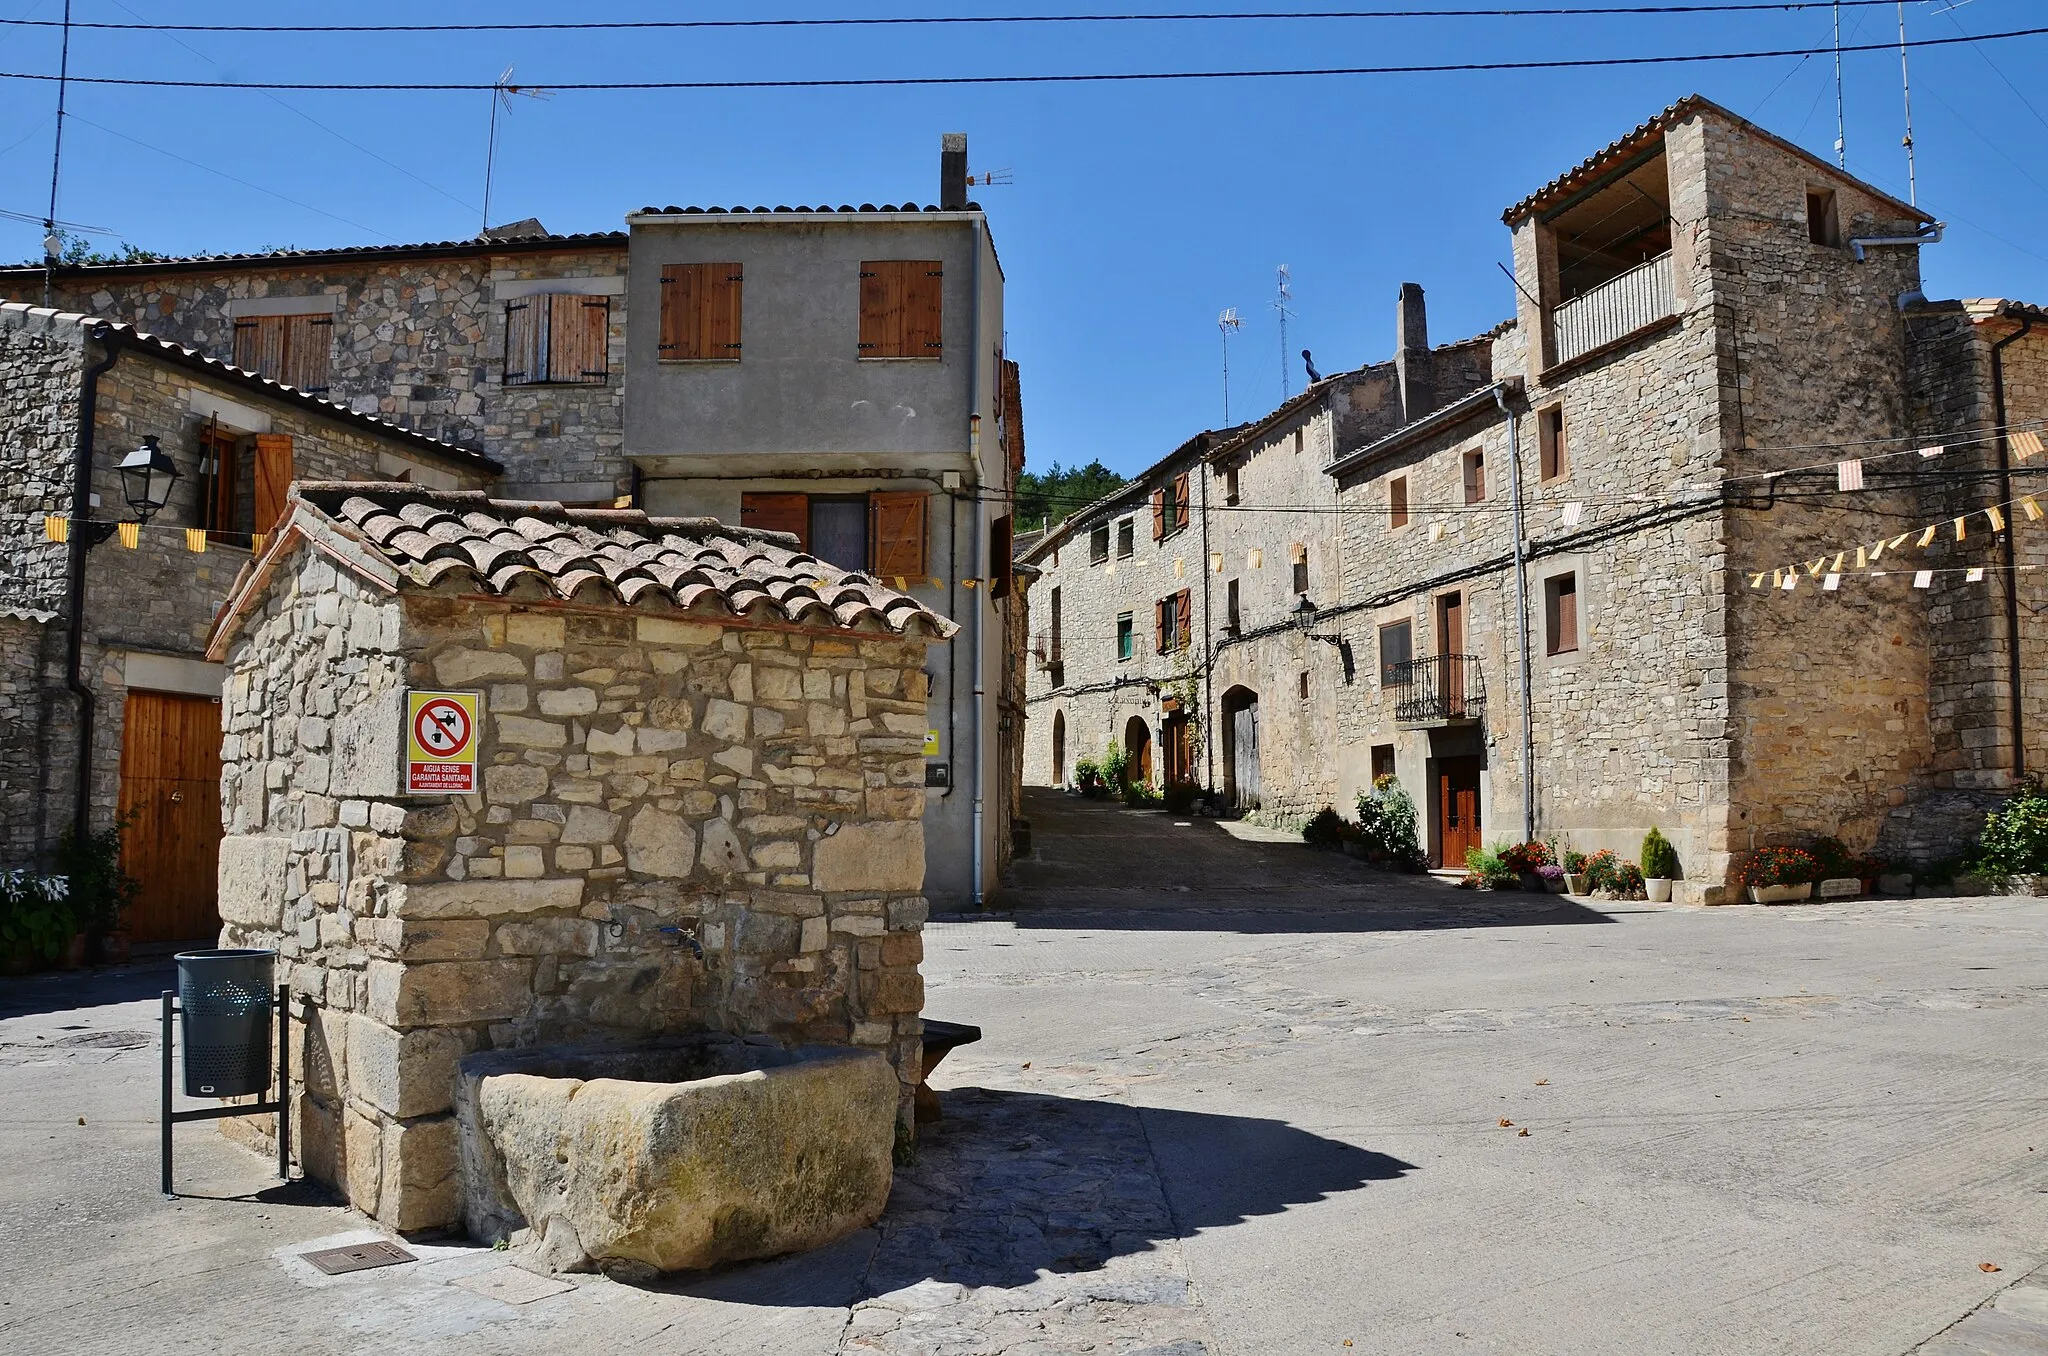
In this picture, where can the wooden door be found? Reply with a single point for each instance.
(1458, 829)
(1179, 749)
(170, 784)
(1244, 755)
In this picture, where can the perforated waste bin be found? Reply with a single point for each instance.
(225, 1000)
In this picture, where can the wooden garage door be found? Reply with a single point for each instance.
(170, 784)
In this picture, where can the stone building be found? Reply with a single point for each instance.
(119, 714)
(700, 803)
(1558, 603)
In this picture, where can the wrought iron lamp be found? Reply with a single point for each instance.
(1305, 621)
(147, 475)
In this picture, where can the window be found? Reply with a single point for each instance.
(881, 533)
(1173, 615)
(1397, 502)
(220, 472)
(1475, 476)
(1301, 684)
(1098, 544)
(1230, 486)
(1123, 635)
(1232, 619)
(1397, 647)
(1382, 761)
(1053, 655)
(1180, 503)
(557, 337)
(1300, 554)
(1555, 461)
(900, 308)
(1822, 226)
(1170, 508)
(1001, 547)
(1300, 439)
(292, 349)
(1126, 538)
(1561, 613)
(700, 313)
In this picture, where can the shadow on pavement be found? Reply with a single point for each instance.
(1013, 1185)
(64, 990)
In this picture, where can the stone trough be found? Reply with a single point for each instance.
(674, 1157)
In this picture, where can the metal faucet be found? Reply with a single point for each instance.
(675, 936)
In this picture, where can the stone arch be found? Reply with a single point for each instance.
(1059, 748)
(1137, 752)
(1240, 730)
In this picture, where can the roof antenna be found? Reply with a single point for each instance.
(1285, 295)
(1841, 127)
(501, 93)
(53, 243)
(1906, 89)
(1227, 322)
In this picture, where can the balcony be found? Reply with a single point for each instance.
(1613, 309)
(1440, 689)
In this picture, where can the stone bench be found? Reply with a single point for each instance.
(940, 1039)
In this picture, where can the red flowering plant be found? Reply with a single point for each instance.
(1608, 870)
(1780, 866)
(1524, 858)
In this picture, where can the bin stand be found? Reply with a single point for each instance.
(279, 1106)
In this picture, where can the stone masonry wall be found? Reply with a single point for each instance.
(42, 361)
(647, 779)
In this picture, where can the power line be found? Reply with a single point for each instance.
(1222, 16)
(888, 82)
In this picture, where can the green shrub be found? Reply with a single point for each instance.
(1574, 862)
(1114, 763)
(1138, 795)
(99, 890)
(1181, 797)
(1607, 871)
(1386, 824)
(1325, 829)
(1086, 770)
(2015, 837)
(36, 915)
(1492, 868)
(1660, 859)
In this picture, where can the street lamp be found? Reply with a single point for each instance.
(1304, 615)
(147, 475)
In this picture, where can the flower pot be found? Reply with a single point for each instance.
(1532, 882)
(1554, 884)
(114, 946)
(1575, 883)
(1780, 894)
(1657, 889)
(1896, 883)
(1841, 887)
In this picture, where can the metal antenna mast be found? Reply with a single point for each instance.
(1841, 127)
(52, 242)
(1906, 90)
(1286, 294)
(501, 93)
(1225, 323)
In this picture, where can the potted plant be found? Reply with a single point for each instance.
(1523, 859)
(1574, 872)
(2012, 849)
(1490, 868)
(1552, 876)
(1660, 866)
(1780, 875)
(1612, 876)
(99, 892)
(1387, 826)
(37, 920)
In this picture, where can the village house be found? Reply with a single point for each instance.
(1560, 605)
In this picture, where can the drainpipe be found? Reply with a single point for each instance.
(2012, 577)
(1500, 398)
(1931, 236)
(80, 543)
(1208, 641)
(975, 547)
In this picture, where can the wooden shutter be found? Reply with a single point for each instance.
(901, 308)
(700, 312)
(1397, 501)
(1564, 614)
(1000, 545)
(1160, 613)
(522, 341)
(593, 323)
(896, 533)
(273, 479)
(1183, 618)
(223, 470)
(1180, 500)
(789, 513)
(308, 345)
(260, 345)
(1158, 514)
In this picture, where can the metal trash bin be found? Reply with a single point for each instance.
(225, 999)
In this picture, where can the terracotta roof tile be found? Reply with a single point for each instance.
(697, 564)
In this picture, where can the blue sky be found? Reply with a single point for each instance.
(1137, 211)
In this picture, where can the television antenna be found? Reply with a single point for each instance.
(989, 177)
(1284, 295)
(1841, 126)
(1226, 323)
(1906, 92)
(501, 93)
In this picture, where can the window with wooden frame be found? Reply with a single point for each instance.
(1126, 538)
(1233, 619)
(789, 513)
(1179, 517)
(1230, 493)
(1474, 464)
(700, 313)
(1561, 614)
(897, 530)
(901, 308)
(293, 349)
(1098, 543)
(220, 470)
(1300, 439)
(557, 338)
(1298, 555)
(1301, 685)
(1397, 648)
(1160, 512)
(882, 534)
(1382, 761)
(1124, 630)
(1823, 227)
(1174, 621)
(1397, 502)
(1552, 456)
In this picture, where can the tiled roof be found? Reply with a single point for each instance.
(112, 332)
(674, 211)
(342, 254)
(622, 555)
(1653, 129)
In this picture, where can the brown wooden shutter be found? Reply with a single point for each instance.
(700, 312)
(1158, 514)
(594, 331)
(522, 341)
(1567, 600)
(1000, 545)
(789, 513)
(1159, 624)
(1183, 618)
(1180, 500)
(273, 479)
(1397, 501)
(901, 308)
(248, 345)
(308, 347)
(260, 345)
(924, 287)
(896, 533)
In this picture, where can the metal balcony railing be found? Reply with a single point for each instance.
(1614, 309)
(1437, 689)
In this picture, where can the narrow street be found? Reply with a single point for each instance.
(1234, 1097)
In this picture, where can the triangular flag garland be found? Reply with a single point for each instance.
(1923, 579)
(56, 528)
(129, 533)
(1569, 515)
(1975, 575)
(195, 540)
(1849, 474)
(1832, 582)
(2025, 445)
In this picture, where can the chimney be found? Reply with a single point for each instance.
(1411, 353)
(953, 172)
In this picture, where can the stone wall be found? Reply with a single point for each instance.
(42, 359)
(648, 781)
(26, 714)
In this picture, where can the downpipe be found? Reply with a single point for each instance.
(2007, 557)
(81, 511)
(1521, 617)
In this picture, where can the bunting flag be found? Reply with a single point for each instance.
(1975, 575)
(56, 528)
(1927, 537)
(1255, 559)
(2033, 509)
(1849, 474)
(1814, 568)
(1934, 451)
(256, 540)
(1569, 515)
(1923, 579)
(1791, 580)
(1997, 518)
(195, 540)
(1216, 561)
(901, 586)
(1180, 568)
(1959, 529)
(1832, 582)
(1436, 531)
(130, 534)
(2025, 445)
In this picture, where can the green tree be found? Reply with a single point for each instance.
(1054, 493)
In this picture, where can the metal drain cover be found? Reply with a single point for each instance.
(358, 1257)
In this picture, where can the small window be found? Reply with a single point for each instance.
(1822, 227)
(1098, 544)
(1126, 538)
(1172, 615)
(1382, 761)
(700, 313)
(1300, 439)
(1053, 654)
(292, 349)
(1123, 635)
(557, 338)
(1475, 476)
(839, 530)
(1397, 647)
(1397, 502)
(882, 533)
(1232, 618)
(1230, 486)
(1551, 442)
(1561, 613)
(220, 472)
(1301, 684)
(1301, 572)
(900, 302)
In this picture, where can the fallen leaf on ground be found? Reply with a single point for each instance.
(1523, 1133)
(1988, 1266)
(1027, 1063)
(1505, 1122)
(1542, 1082)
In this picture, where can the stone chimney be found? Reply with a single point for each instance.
(1411, 353)
(953, 171)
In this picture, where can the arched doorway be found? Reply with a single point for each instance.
(1137, 752)
(1176, 745)
(1241, 748)
(1059, 748)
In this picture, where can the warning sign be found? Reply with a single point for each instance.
(440, 742)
